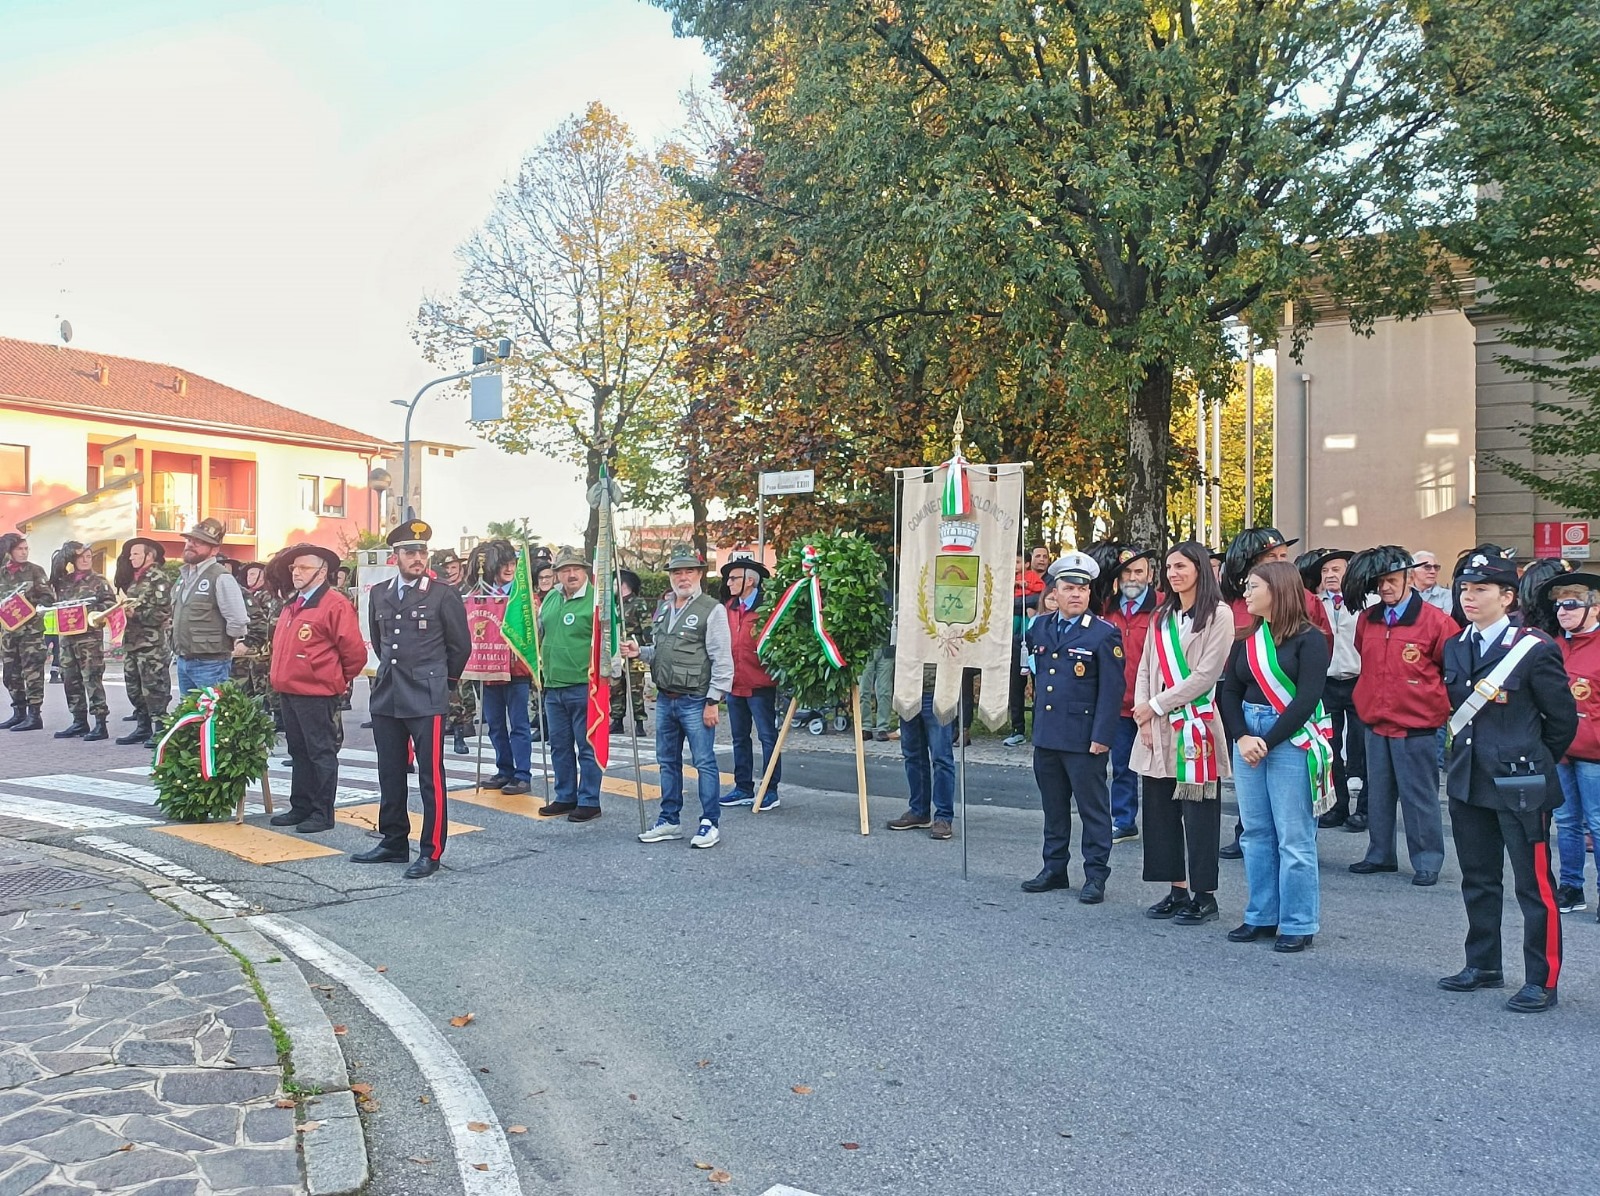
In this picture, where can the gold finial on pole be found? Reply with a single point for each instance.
(955, 439)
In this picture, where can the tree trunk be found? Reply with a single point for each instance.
(591, 532)
(697, 513)
(1083, 520)
(1149, 442)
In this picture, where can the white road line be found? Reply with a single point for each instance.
(65, 814)
(459, 1098)
(177, 873)
(342, 796)
(786, 1190)
(66, 782)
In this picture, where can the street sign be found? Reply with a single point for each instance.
(1568, 539)
(793, 481)
(487, 399)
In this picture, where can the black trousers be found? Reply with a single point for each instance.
(1170, 824)
(1019, 695)
(1349, 743)
(394, 739)
(311, 723)
(1063, 776)
(1484, 838)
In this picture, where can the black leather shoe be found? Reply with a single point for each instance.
(461, 742)
(288, 818)
(1046, 881)
(556, 808)
(584, 814)
(78, 727)
(99, 732)
(1231, 851)
(381, 855)
(498, 781)
(514, 788)
(420, 867)
(127, 718)
(32, 723)
(139, 734)
(1092, 893)
(1246, 933)
(1290, 943)
(1198, 912)
(1168, 905)
(1331, 819)
(18, 713)
(1356, 823)
(1424, 880)
(1367, 867)
(313, 826)
(1469, 979)
(1531, 998)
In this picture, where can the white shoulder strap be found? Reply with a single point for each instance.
(1484, 691)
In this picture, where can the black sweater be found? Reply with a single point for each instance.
(1303, 659)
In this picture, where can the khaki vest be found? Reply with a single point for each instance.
(681, 662)
(198, 628)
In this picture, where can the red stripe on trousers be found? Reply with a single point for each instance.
(438, 785)
(1552, 933)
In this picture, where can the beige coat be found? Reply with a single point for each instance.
(1206, 653)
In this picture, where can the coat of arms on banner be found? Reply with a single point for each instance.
(960, 584)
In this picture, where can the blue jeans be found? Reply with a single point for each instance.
(759, 710)
(927, 746)
(1280, 835)
(505, 715)
(1124, 781)
(199, 674)
(1580, 781)
(678, 719)
(566, 719)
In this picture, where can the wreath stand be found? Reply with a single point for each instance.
(266, 797)
(861, 756)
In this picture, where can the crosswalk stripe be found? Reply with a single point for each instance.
(68, 815)
(78, 786)
(342, 796)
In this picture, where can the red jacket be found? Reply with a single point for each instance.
(1401, 686)
(1242, 618)
(1581, 655)
(317, 649)
(1135, 628)
(749, 674)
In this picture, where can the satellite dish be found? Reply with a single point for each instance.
(66, 332)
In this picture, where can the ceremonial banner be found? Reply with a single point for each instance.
(521, 637)
(959, 529)
(72, 619)
(372, 570)
(117, 624)
(491, 655)
(15, 611)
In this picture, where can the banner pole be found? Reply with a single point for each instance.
(961, 730)
(477, 733)
(633, 739)
(538, 692)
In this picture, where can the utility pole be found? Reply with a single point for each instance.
(480, 365)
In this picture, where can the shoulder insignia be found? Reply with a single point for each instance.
(1088, 621)
(1117, 651)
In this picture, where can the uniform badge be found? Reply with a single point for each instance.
(1411, 654)
(1117, 651)
(569, 618)
(1079, 669)
(1501, 696)
(1581, 689)
(304, 633)
(692, 621)
(204, 587)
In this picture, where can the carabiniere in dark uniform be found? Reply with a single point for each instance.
(1502, 782)
(419, 633)
(1078, 684)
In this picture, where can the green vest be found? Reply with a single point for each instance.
(198, 628)
(681, 664)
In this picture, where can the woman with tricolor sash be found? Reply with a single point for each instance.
(1271, 701)
(1180, 751)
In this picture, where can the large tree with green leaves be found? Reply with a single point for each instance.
(1101, 182)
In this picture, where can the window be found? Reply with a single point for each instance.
(14, 469)
(310, 488)
(333, 497)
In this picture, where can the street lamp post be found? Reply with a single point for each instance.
(480, 365)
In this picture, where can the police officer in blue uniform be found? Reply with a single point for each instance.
(419, 632)
(1078, 680)
(1502, 779)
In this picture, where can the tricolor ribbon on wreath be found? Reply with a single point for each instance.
(204, 713)
(1193, 724)
(818, 624)
(1315, 738)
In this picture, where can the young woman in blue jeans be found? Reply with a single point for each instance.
(1271, 700)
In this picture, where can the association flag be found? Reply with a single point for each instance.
(599, 689)
(517, 627)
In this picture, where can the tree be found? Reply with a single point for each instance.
(1103, 182)
(1531, 135)
(571, 264)
(518, 531)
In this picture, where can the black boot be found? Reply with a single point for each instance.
(139, 734)
(80, 726)
(461, 742)
(32, 723)
(18, 713)
(99, 731)
(134, 717)
(616, 726)
(155, 729)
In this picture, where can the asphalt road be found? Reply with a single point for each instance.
(640, 1009)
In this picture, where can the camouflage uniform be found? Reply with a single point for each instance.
(146, 645)
(636, 613)
(464, 698)
(24, 651)
(83, 657)
(252, 672)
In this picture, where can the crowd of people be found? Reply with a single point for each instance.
(1331, 689)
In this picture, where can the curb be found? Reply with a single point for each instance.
(335, 1154)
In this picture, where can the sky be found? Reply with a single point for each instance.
(263, 192)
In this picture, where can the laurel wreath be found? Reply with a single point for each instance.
(973, 634)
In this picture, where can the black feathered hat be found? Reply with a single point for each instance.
(1103, 589)
(61, 563)
(1243, 552)
(280, 581)
(125, 571)
(1533, 593)
(1310, 564)
(1367, 568)
(486, 560)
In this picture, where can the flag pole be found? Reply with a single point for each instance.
(538, 682)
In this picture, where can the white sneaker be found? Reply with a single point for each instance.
(660, 832)
(1014, 741)
(706, 836)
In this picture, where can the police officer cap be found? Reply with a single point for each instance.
(413, 533)
(1489, 567)
(1076, 567)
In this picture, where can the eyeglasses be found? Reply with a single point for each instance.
(1429, 568)
(1573, 604)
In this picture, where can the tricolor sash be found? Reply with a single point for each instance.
(1315, 738)
(1194, 724)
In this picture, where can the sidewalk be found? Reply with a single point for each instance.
(134, 1054)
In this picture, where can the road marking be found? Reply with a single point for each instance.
(623, 787)
(456, 1094)
(460, 765)
(524, 804)
(366, 817)
(161, 866)
(63, 782)
(786, 1190)
(252, 844)
(65, 814)
(342, 796)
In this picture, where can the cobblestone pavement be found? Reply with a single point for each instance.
(134, 1055)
